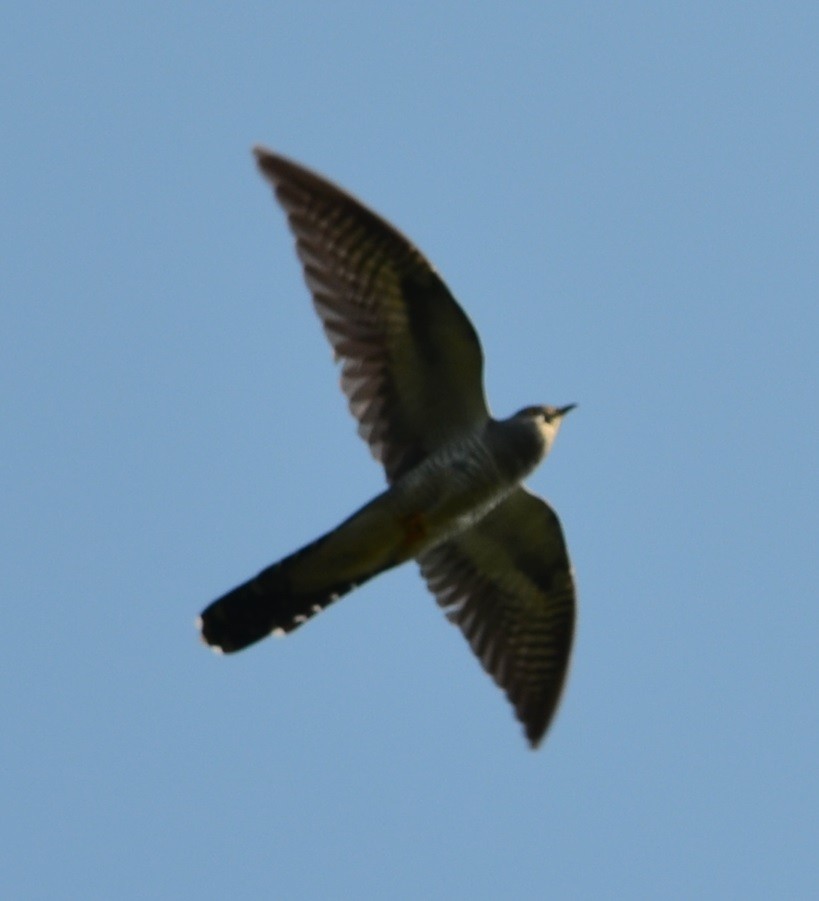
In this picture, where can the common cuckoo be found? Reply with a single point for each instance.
(490, 551)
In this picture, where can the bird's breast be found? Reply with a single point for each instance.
(451, 490)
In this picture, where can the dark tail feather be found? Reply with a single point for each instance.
(268, 603)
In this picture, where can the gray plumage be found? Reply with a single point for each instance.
(491, 552)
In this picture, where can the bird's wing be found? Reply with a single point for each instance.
(411, 359)
(508, 584)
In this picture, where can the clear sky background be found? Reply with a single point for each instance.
(624, 197)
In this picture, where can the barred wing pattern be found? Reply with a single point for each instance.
(507, 583)
(412, 366)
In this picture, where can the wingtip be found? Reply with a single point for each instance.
(534, 737)
(265, 159)
(277, 168)
(260, 152)
(535, 724)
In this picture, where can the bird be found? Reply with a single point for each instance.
(411, 365)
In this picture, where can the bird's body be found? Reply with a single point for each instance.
(444, 495)
(491, 552)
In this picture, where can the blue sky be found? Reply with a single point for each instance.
(624, 198)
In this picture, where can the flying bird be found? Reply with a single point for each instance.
(491, 552)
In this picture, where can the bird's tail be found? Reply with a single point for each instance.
(268, 603)
(287, 594)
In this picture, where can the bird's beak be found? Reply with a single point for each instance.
(562, 411)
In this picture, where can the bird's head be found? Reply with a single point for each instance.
(546, 419)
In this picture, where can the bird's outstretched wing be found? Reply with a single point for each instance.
(507, 583)
(411, 360)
